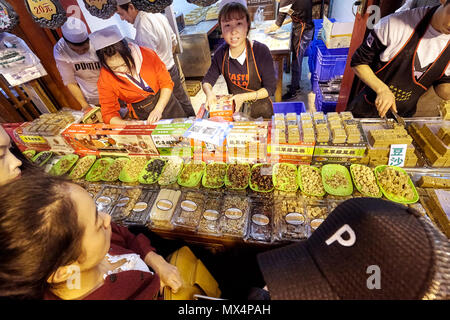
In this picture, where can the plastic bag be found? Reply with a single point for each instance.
(15, 55)
(258, 18)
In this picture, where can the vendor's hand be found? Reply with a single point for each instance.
(238, 101)
(170, 276)
(210, 101)
(271, 28)
(385, 100)
(155, 115)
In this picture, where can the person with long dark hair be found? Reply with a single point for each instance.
(135, 75)
(54, 244)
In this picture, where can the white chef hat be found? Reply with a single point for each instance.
(105, 37)
(74, 30)
(224, 2)
(121, 2)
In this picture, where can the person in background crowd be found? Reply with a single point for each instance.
(54, 244)
(246, 66)
(77, 62)
(366, 249)
(302, 33)
(411, 4)
(135, 75)
(401, 58)
(9, 163)
(154, 31)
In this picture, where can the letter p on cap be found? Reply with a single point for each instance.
(337, 236)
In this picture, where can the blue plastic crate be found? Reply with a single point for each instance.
(330, 62)
(289, 107)
(324, 106)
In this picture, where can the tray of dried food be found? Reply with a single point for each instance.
(290, 219)
(95, 173)
(171, 171)
(107, 198)
(214, 176)
(112, 172)
(260, 222)
(261, 177)
(191, 174)
(309, 180)
(29, 154)
(152, 171)
(235, 210)
(64, 164)
(42, 158)
(317, 211)
(396, 185)
(365, 181)
(189, 212)
(123, 206)
(140, 213)
(209, 220)
(82, 167)
(163, 208)
(285, 177)
(237, 176)
(337, 180)
(130, 172)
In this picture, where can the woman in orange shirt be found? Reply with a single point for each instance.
(135, 75)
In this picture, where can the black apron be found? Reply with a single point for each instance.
(143, 108)
(398, 75)
(259, 108)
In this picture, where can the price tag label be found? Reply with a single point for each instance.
(397, 155)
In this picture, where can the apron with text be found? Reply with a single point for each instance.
(398, 75)
(249, 82)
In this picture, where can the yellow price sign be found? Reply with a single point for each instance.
(42, 9)
(97, 3)
(33, 139)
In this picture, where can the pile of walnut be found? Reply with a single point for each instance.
(396, 183)
(365, 180)
(311, 180)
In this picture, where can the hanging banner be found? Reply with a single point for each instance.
(103, 9)
(47, 13)
(153, 6)
(8, 17)
(202, 3)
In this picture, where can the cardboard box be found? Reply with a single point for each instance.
(337, 34)
(108, 138)
(223, 110)
(169, 140)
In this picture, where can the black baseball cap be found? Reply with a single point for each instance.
(366, 248)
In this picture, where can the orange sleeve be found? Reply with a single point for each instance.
(159, 68)
(108, 98)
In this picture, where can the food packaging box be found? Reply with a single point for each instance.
(125, 203)
(163, 209)
(223, 110)
(260, 220)
(337, 34)
(92, 115)
(140, 213)
(107, 138)
(290, 219)
(210, 218)
(169, 140)
(234, 218)
(190, 211)
(317, 211)
(107, 197)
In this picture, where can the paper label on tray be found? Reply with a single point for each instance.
(233, 213)
(211, 215)
(295, 218)
(397, 155)
(188, 205)
(164, 204)
(104, 200)
(260, 219)
(316, 223)
(122, 201)
(140, 206)
(444, 200)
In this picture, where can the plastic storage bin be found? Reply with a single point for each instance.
(330, 62)
(289, 107)
(322, 105)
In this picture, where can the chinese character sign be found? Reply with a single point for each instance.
(103, 9)
(397, 155)
(46, 13)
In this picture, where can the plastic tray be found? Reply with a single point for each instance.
(58, 169)
(358, 187)
(140, 214)
(175, 176)
(194, 179)
(30, 153)
(253, 187)
(48, 154)
(228, 182)
(88, 161)
(283, 187)
(121, 162)
(300, 183)
(392, 197)
(95, 173)
(220, 180)
(190, 211)
(138, 161)
(329, 170)
(145, 172)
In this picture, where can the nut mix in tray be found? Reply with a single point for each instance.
(290, 218)
(133, 168)
(337, 180)
(311, 180)
(190, 211)
(191, 172)
(113, 171)
(238, 175)
(396, 183)
(285, 177)
(153, 170)
(209, 221)
(171, 171)
(364, 178)
(125, 203)
(261, 177)
(82, 167)
(234, 219)
(215, 175)
(261, 220)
